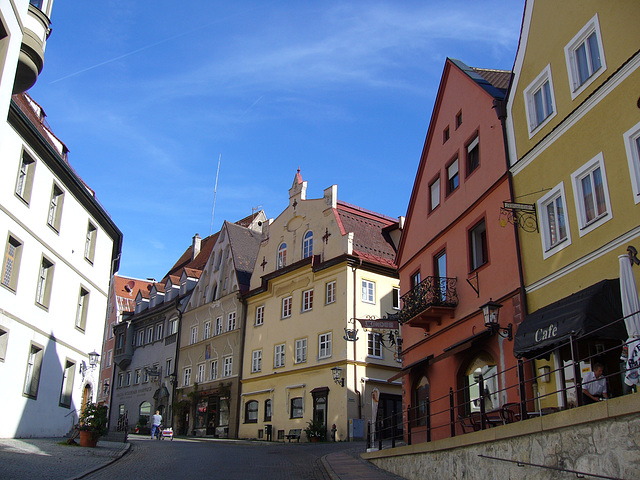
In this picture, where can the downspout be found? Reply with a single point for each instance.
(355, 366)
(175, 361)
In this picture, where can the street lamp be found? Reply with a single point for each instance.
(491, 312)
(336, 372)
(93, 363)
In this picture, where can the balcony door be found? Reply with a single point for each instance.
(440, 274)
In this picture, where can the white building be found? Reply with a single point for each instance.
(59, 248)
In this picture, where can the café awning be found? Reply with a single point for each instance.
(576, 315)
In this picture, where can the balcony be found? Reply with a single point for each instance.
(34, 39)
(430, 300)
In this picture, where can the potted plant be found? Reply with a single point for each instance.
(93, 424)
(315, 431)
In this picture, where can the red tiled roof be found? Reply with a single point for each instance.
(497, 78)
(126, 290)
(192, 272)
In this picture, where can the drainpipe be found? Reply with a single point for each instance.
(355, 366)
(175, 361)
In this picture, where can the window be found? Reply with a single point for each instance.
(159, 331)
(324, 345)
(374, 344)
(553, 219)
(539, 102)
(301, 350)
(307, 244)
(440, 272)
(368, 291)
(55, 208)
(149, 334)
(200, 374)
(591, 195)
(251, 412)
(83, 307)
(453, 179)
(120, 380)
(434, 194)
(24, 184)
(473, 155)
(140, 341)
(108, 364)
(260, 315)
(228, 367)
(11, 263)
(282, 255)
(4, 340)
(45, 279)
(256, 361)
(168, 367)
(218, 325)
(207, 330)
(585, 57)
(395, 298)
(445, 135)
(67, 383)
(231, 321)
(127, 379)
(459, 119)
(307, 300)
(213, 370)
(297, 407)
(279, 356)
(267, 410)
(632, 145)
(420, 400)
(286, 307)
(121, 409)
(144, 411)
(173, 326)
(32, 376)
(415, 279)
(186, 377)
(90, 243)
(194, 335)
(145, 374)
(478, 245)
(331, 292)
(136, 376)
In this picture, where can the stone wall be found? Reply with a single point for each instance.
(602, 439)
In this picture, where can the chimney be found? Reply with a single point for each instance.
(196, 246)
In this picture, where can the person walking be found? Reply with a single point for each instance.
(156, 420)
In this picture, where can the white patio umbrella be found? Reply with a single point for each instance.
(630, 309)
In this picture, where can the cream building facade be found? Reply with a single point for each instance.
(322, 265)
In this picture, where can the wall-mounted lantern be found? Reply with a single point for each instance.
(336, 372)
(491, 312)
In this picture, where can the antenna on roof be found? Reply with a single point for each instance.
(215, 193)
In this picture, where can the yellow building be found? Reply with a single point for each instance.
(574, 139)
(323, 264)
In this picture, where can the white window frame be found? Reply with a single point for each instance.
(207, 329)
(54, 214)
(167, 367)
(256, 361)
(231, 321)
(200, 374)
(301, 350)
(194, 335)
(66, 391)
(159, 328)
(330, 295)
(576, 180)
(307, 244)
(90, 243)
(11, 263)
(324, 345)
(434, 194)
(395, 298)
(529, 101)
(140, 340)
(552, 196)
(453, 172)
(26, 173)
(186, 376)
(368, 291)
(219, 326)
(632, 145)
(227, 367)
(592, 27)
(45, 282)
(282, 255)
(374, 345)
(287, 303)
(149, 335)
(136, 376)
(213, 369)
(307, 300)
(82, 309)
(259, 315)
(476, 245)
(279, 355)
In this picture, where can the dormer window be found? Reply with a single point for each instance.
(282, 255)
(307, 244)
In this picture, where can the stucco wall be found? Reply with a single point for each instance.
(602, 439)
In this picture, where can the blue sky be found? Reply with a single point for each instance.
(148, 95)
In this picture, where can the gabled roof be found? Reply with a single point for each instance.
(192, 272)
(245, 244)
(126, 289)
(494, 82)
(371, 240)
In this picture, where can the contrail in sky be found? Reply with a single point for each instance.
(252, 105)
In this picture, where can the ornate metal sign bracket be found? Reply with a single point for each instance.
(521, 214)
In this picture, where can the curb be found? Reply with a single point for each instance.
(327, 467)
(115, 458)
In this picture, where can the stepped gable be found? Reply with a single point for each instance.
(371, 240)
(245, 244)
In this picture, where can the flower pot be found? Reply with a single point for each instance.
(88, 439)
(315, 439)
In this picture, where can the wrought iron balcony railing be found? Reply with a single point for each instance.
(431, 292)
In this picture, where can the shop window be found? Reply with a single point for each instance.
(483, 364)
(251, 412)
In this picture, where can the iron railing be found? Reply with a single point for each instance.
(431, 292)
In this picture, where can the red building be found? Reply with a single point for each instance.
(457, 254)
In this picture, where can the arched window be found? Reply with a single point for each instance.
(282, 255)
(145, 411)
(307, 244)
(251, 412)
(483, 364)
(420, 398)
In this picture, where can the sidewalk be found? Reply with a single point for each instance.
(51, 459)
(349, 466)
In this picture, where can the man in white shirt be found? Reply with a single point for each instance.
(594, 385)
(156, 420)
